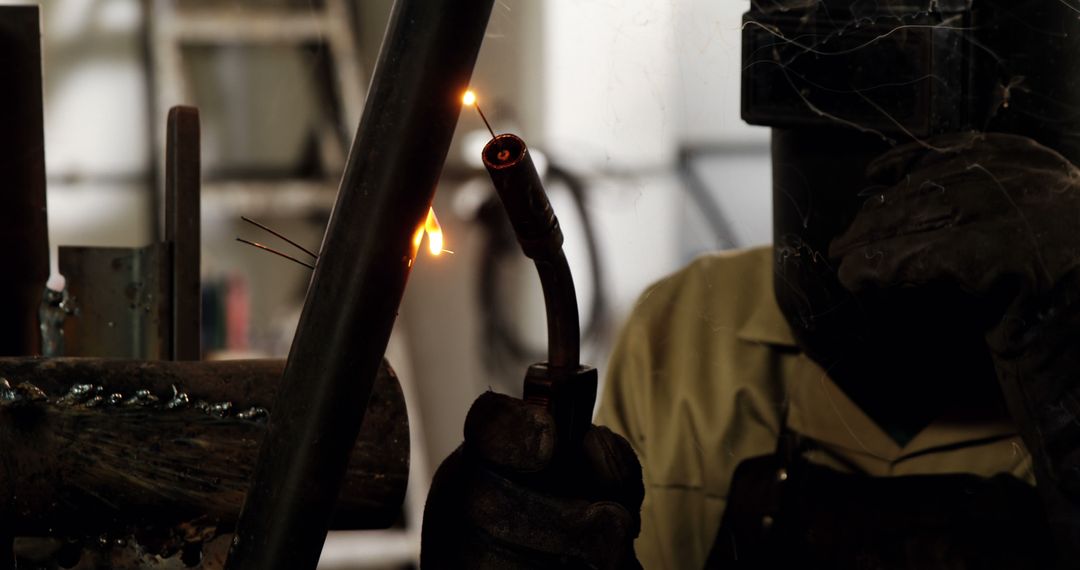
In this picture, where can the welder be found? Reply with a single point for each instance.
(894, 384)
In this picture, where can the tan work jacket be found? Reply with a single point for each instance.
(697, 382)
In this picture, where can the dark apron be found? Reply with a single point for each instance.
(785, 512)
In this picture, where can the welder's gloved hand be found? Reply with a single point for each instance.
(997, 218)
(497, 502)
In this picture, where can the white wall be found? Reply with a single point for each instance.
(626, 81)
(96, 132)
(708, 47)
(609, 83)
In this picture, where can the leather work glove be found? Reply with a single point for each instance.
(998, 218)
(506, 500)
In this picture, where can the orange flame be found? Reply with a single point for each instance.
(417, 238)
(434, 233)
(469, 98)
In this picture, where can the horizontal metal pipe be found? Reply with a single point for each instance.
(103, 446)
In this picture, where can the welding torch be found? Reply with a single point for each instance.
(562, 385)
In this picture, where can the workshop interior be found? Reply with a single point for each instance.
(160, 133)
(262, 258)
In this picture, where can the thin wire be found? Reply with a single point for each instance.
(275, 252)
(291, 242)
(482, 117)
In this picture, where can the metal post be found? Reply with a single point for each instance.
(404, 135)
(182, 170)
(24, 255)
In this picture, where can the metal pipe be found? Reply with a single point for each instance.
(182, 223)
(518, 184)
(171, 444)
(24, 255)
(560, 303)
(413, 104)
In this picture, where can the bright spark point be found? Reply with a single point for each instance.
(469, 99)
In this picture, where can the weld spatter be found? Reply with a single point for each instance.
(80, 394)
(141, 399)
(24, 393)
(219, 409)
(254, 413)
(180, 399)
(94, 396)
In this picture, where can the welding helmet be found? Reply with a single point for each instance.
(843, 81)
(904, 69)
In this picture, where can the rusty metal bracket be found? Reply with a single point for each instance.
(144, 302)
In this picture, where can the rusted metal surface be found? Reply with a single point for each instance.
(24, 253)
(144, 302)
(424, 66)
(182, 190)
(123, 300)
(162, 451)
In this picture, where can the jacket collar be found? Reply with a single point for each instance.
(819, 409)
(767, 325)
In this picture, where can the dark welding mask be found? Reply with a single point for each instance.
(841, 82)
(905, 69)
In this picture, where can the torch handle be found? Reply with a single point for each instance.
(569, 395)
(526, 203)
(562, 385)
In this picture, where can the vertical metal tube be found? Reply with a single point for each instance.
(182, 223)
(412, 109)
(24, 254)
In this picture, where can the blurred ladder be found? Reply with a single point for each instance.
(172, 27)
